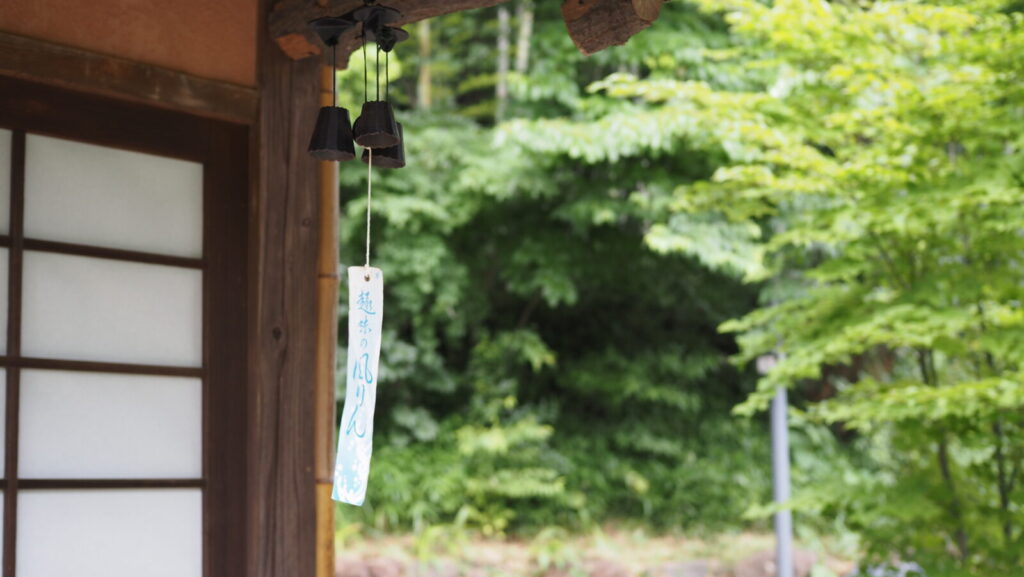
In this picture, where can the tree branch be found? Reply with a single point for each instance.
(926, 364)
(531, 306)
(887, 259)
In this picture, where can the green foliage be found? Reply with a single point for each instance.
(882, 164)
(837, 184)
(542, 366)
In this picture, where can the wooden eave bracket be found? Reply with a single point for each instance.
(597, 24)
(593, 25)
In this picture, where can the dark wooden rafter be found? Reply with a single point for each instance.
(288, 22)
(593, 24)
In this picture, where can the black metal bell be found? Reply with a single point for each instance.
(332, 137)
(393, 157)
(330, 28)
(376, 126)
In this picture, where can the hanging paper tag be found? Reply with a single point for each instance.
(355, 439)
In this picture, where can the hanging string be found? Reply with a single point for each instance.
(365, 80)
(377, 78)
(387, 76)
(334, 74)
(369, 207)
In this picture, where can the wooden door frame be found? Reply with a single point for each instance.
(222, 148)
(283, 225)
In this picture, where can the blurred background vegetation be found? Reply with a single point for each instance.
(586, 255)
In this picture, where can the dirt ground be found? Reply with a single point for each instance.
(440, 552)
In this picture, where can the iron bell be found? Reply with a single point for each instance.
(332, 136)
(393, 157)
(376, 126)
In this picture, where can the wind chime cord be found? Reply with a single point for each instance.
(334, 74)
(369, 206)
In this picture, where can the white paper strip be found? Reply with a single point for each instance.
(355, 439)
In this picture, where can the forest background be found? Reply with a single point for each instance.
(586, 256)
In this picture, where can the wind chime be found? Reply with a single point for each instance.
(334, 139)
(376, 129)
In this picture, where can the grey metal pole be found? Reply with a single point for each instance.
(780, 483)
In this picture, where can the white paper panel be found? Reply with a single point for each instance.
(5, 181)
(3, 433)
(4, 271)
(110, 533)
(88, 194)
(83, 308)
(108, 426)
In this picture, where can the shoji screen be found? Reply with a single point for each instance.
(122, 299)
(97, 287)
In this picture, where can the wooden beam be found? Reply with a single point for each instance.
(597, 24)
(80, 70)
(593, 24)
(288, 24)
(282, 539)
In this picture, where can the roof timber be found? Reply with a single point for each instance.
(597, 24)
(593, 24)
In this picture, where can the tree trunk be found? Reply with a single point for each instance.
(524, 13)
(425, 82)
(501, 87)
(954, 505)
(926, 364)
(1004, 478)
(1005, 481)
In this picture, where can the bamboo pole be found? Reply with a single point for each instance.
(327, 336)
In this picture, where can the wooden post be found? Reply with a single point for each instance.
(283, 262)
(327, 343)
